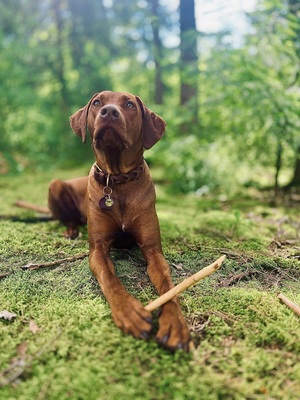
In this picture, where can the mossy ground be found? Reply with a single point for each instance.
(247, 344)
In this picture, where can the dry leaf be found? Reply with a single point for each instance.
(33, 327)
(7, 315)
(22, 349)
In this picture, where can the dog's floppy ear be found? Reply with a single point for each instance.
(78, 121)
(153, 126)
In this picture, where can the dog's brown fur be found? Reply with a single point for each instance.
(67, 201)
(121, 127)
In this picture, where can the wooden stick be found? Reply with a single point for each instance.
(289, 303)
(5, 275)
(238, 277)
(54, 263)
(192, 280)
(33, 207)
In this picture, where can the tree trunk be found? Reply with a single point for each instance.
(188, 56)
(278, 166)
(294, 9)
(157, 53)
(296, 175)
(59, 65)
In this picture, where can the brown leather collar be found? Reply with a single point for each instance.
(106, 179)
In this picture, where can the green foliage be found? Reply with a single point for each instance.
(248, 108)
(55, 56)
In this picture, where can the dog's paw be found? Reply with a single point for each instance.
(173, 333)
(131, 317)
(71, 233)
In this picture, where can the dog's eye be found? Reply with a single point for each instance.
(130, 105)
(96, 103)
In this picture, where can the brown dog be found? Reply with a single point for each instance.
(121, 199)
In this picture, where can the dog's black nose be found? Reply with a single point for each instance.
(109, 112)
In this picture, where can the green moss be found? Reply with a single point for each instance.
(247, 342)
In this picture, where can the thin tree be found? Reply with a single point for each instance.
(188, 56)
(294, 9)
(59, 64)
(157, 53)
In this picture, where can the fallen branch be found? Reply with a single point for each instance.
(289, 303)
(5, 275)
(238, 277)
(192, 280)
(54, 263)
(33, 207)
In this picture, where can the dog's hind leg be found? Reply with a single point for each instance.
(64, 206)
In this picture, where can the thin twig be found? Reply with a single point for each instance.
(192, 280)
(33, 207)
(5, 275)
(238, 277)
(289, 303)
(54, 263)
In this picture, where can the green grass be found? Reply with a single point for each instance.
(247, 344)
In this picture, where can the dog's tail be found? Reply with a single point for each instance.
(33, 207)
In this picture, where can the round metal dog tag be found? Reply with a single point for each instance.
(109, 202)
(106, 203)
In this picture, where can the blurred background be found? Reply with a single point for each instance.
(223, 74)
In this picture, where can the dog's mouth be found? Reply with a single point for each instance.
(109, 137)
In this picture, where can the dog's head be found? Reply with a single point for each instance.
(118, 120)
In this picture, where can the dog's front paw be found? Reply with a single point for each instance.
(131, 317)
(173, 333)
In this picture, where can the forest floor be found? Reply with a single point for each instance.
(63, 344)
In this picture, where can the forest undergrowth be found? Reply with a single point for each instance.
(59, 341)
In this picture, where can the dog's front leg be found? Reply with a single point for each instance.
(173, 331)
(127, 312)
